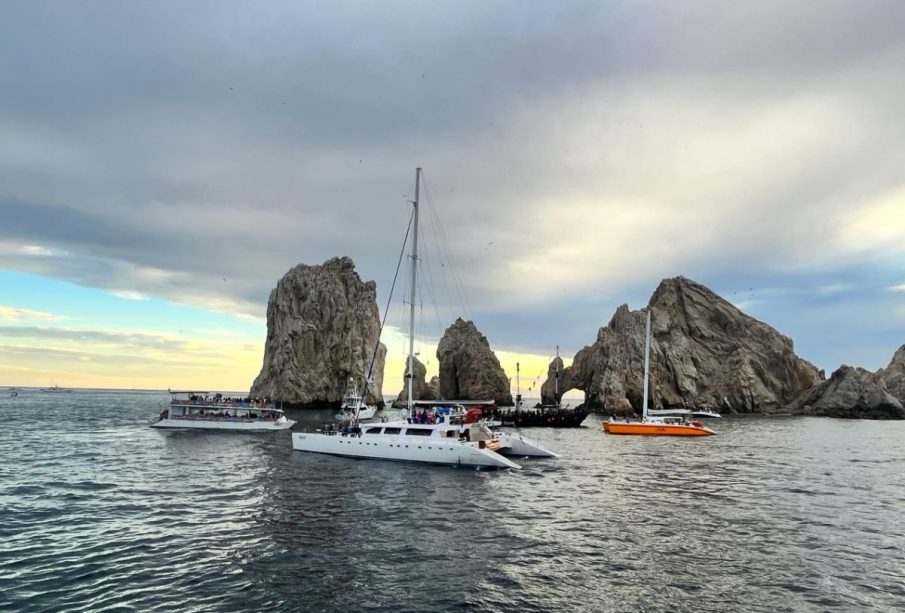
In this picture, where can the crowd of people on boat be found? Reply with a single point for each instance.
(219, 400)
(426, 416)
(348, 430)
(556, 416)
(224, 415)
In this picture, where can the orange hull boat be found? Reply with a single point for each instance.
(654, 429)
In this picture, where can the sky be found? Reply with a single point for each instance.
(163, 164)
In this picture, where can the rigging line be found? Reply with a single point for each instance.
(457, 278)
(386, 311)
(444, 242)
(445, 253)
(431, 246)
(426, 264)
(541, 373)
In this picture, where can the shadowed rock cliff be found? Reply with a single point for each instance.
(422, 390)
(893, 376)
(851, 392)
(551, 392)
(322, 324)
(469, 370)
(704, 352)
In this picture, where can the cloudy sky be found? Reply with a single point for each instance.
(163, 164)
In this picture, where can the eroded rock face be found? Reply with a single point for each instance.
(469, 370)
(851, 392)
(704, 353)
(893, 376)
(551, 392)
(422, 390)
(322, 325)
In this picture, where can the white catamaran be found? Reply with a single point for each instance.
(440, 439)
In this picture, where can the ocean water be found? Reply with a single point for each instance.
(98, 512)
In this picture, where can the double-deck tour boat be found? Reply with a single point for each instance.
(202, 411)
(424, 436)
(662, 425)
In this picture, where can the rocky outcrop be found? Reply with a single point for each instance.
(421, 389)
(893, 376)
(322, 326)
(551, 392)
(704, 353)
(469, 370)
(851, 392)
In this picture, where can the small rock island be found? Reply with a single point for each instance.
(322, 326)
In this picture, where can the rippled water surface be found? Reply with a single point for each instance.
(100, 512)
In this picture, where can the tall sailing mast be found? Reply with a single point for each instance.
(518, 387)
(410, 376)
(646, 365)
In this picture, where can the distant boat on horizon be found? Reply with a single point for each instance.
(56, 389)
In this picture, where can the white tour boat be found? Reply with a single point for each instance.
(200, 411)
(352, 404)
(434, 439)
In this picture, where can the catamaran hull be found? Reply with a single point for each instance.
(200, 424)
(655, 429)
(517, 445)
(401, 449)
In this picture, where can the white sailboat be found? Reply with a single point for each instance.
(442, 441)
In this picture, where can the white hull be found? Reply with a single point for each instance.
(213, 424)
(402, 448)
(365, 412)
(517, 445)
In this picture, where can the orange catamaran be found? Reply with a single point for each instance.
(655, 426)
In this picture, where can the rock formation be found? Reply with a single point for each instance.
(551, 391)
(322, 325)
(851, 392)
(704, 353)
(893, 376)
(469, 370)
(421, 390)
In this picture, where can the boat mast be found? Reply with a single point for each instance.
(556, 379)
(646, 364)
(518, 387)
(411, 361)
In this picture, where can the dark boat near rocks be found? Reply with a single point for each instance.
(542, 416)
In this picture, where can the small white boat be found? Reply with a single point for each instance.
(352, 404)
(197, 410)
(706, 413)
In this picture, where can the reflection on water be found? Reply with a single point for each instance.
(98, 511)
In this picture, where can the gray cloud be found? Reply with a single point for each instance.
(586, 147)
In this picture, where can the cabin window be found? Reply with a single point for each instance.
(392, 430)
(418, 431)
(372, 431)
